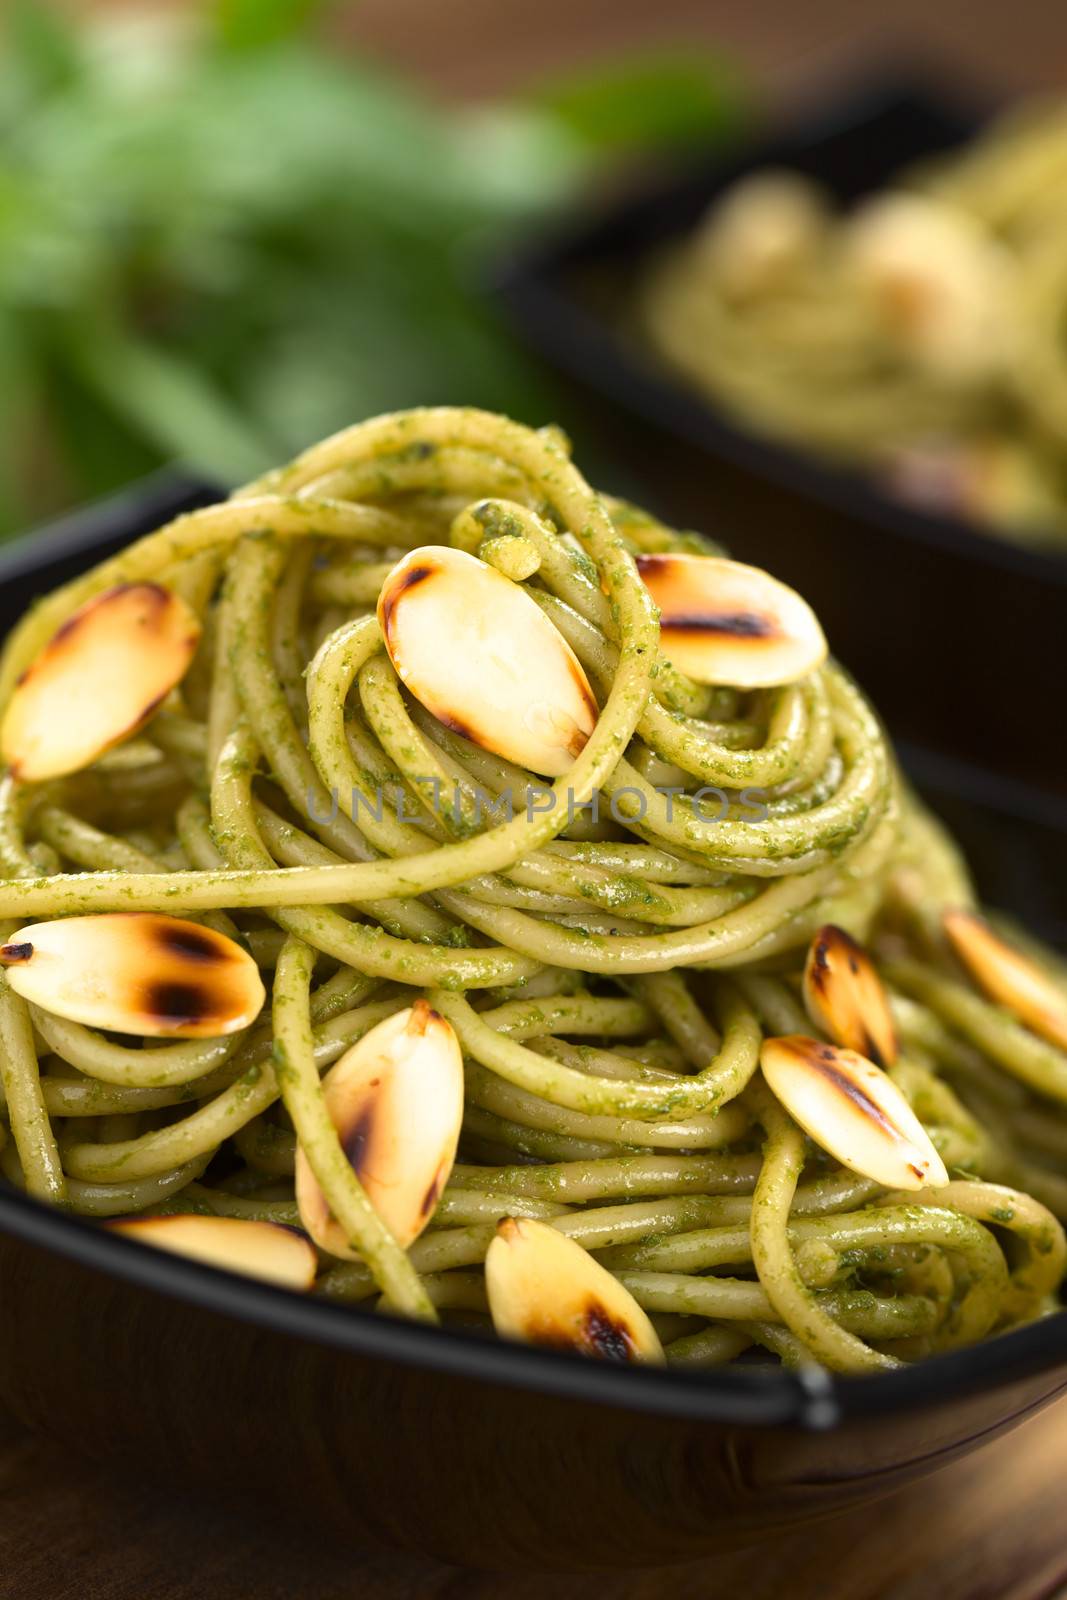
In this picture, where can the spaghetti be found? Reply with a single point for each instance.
(918, 336)
(610, 971)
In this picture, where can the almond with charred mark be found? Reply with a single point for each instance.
(545, 1289)
(721, 622)
(846, 998)
(481, 656)
(852, 1110)
(1008, 977)
(136, 972)
(396, 1100)
(264, 1250)
(98, 680)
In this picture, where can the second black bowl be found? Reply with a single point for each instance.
(959, 637)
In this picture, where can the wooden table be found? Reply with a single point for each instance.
(488, 47)
(990, 1528)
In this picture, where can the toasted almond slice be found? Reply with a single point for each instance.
(396, 1100)
(846, 997)
(97, 680)
(942, 284)
(136, 972)
(259, 1249)
(853, 1110)
(545, 1289)
(1009, 977)
(762, 231)
(482, 657)
(721, 622)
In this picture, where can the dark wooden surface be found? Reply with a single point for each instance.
(487, 47)
(991, 1527)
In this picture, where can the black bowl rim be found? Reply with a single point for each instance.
(529, 278)
(811, 1398)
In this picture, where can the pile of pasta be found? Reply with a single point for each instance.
(430, 884)
(919, 336)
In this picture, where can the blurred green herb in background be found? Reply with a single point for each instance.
(221, 237)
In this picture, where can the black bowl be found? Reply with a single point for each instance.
(958, 635)
(477, 1452)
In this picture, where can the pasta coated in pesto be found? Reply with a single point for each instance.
(608, 935)
(917, 335)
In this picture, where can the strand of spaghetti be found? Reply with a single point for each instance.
(445, 1249)
(713, 1346)
(120, 1199)
(1032, 1279)
(849, 1315)
(709, 1132)
(24, 1101)
(220, 1118)
(1007, 1042)
(934, 1221)
(783, 1159)
(721, 1080)
(298, 1079)
(167, 1066)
